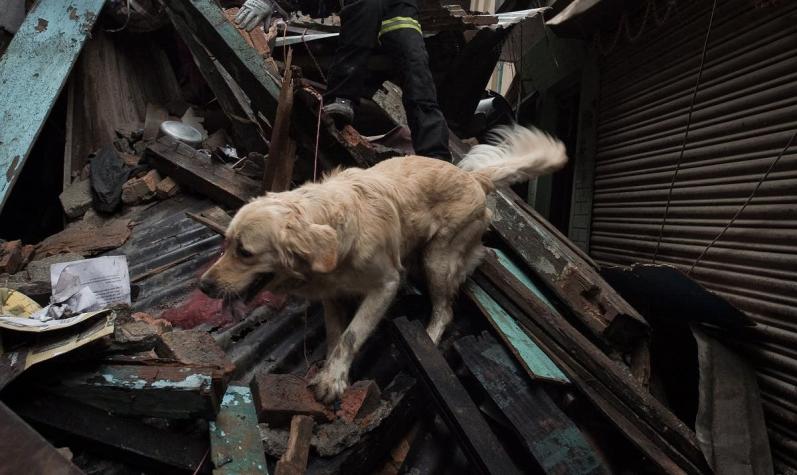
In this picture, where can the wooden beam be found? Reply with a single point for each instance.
(245, 127)
(251, 72)
(33, 70)
(665, 439)
(279, 166)
(235, 445)
(294, 460)
(572, 278)
(547, 433)
(536, 363)
(172, 392)
(191, 170)
(452, 400)
(25, 451)
(129, 439)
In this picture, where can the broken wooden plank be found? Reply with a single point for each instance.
(215, 218)
(245, 128)
(85, 239)
(730, 418)
(172, 392)
(294, 460)
(33, 70)
(235, 445)
(665, 439)
(129, 439)
(547, 433)
(207, 21)
(279, 166)
(577, 284)
(536, 363)
(197, 172)
(25, 451)
(452, 400)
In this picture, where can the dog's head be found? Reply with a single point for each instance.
(268, 242)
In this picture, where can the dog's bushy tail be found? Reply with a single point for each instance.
(514, 154)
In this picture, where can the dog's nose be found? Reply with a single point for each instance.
(209, 287)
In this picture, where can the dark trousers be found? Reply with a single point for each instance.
(361, 24)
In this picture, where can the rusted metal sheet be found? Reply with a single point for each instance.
(568, 275)
(33, 70)
(745, 112)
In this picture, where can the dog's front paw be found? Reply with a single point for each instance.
(328, 387)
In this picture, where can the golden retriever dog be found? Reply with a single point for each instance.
(351, 235)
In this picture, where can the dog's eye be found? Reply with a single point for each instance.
(243, 252)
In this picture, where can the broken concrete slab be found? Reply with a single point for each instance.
(328, 439)
(279, 397)
(76, 198)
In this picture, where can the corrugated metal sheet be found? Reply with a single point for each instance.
(164, 235)
(744, 115)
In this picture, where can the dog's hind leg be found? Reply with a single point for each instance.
(447, 263)
(334, 322)
(330, 382)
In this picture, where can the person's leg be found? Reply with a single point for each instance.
(401, 37)
(360, 20)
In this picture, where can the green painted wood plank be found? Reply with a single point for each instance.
(235, 445)
(548, 434)
(33, 71)
(531, 357)
(509, 265)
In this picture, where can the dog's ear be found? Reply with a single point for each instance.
(315, 243)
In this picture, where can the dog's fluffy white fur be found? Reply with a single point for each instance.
(351, 235)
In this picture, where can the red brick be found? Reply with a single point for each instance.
(279, 397)
(11, 257)
(359, 400)
(141, 189)
(167, 188)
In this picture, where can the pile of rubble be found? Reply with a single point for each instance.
(549, 368)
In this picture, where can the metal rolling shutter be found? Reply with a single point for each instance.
(745, 112)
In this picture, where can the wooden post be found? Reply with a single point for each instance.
(279, 167)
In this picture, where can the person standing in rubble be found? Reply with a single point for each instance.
(365, 25)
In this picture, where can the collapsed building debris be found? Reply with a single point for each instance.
(169, 119)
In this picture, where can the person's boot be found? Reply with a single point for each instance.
(340, 111)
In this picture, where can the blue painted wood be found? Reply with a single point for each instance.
(550, 436)
(235, 445)
(509, 265)
(33, 71)
(530, 356)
